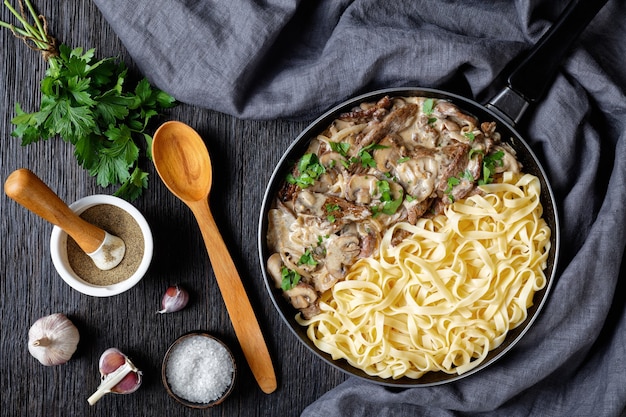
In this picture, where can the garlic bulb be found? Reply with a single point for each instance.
(53, 339)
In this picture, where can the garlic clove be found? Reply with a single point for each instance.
(110, 360)
(53, 339)
(174, 299)
(129, 384)
(118, 375)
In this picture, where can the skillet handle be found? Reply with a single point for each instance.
(531, 78)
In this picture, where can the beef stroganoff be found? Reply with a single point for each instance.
(409, 238)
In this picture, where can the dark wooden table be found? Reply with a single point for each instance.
(244, 154)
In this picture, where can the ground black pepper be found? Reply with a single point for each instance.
(117, 222)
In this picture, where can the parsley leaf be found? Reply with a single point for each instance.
(341, 148)
(490, 162)
(366, 158)
(134, 186)
(428, 106)
(307, 258)
(330, 209)
(452, 182)
(309, 169)
(289, 278)
(389, 205)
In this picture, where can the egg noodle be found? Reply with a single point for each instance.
(447, 294)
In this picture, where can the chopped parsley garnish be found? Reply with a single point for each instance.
(341, 148)
(428, 105)
(367, 160)
(309, 168)
(403, 160)
(384, 189)
(473, 152)
(454, 181)
(307, 259)
(467, 175)
(470, 136)
(331, 208)
(321, 250)
(289, 278)
(364, 155)
(432, 120)
(388, 205)
(490, 162)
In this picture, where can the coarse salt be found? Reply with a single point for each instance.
(199, 369)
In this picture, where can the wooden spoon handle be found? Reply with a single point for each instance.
(237, 303)
(27, 189)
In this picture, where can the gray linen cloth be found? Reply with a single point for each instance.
(292, 59)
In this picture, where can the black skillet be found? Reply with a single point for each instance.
(525, 85)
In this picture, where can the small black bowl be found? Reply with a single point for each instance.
(183, 401)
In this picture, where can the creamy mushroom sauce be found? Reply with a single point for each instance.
(395, 160)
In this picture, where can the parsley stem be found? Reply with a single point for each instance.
(37, 20)
(12, 28)
(32, 32)
(37, 35)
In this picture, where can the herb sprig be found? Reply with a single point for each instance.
(88, 103)
(490, 162)
(289, 278)
(309, 169)
(388, 205)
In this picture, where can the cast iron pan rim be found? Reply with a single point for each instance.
(299, 145)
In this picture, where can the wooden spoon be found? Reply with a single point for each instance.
(104, 249)
(183, 163)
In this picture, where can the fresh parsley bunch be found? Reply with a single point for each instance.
(87, 103)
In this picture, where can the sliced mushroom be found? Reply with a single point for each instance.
(302, 295)
(274, 267)
(280, 220)
(418, 176)
(388, 157)
(324, 281)
(341, 252)
(308, 202)
(509, 161)
(425, 134)
(304, 298)
(360, 188)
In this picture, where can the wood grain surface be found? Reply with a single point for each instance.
(244, 154)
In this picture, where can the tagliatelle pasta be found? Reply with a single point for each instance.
(446, 295)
